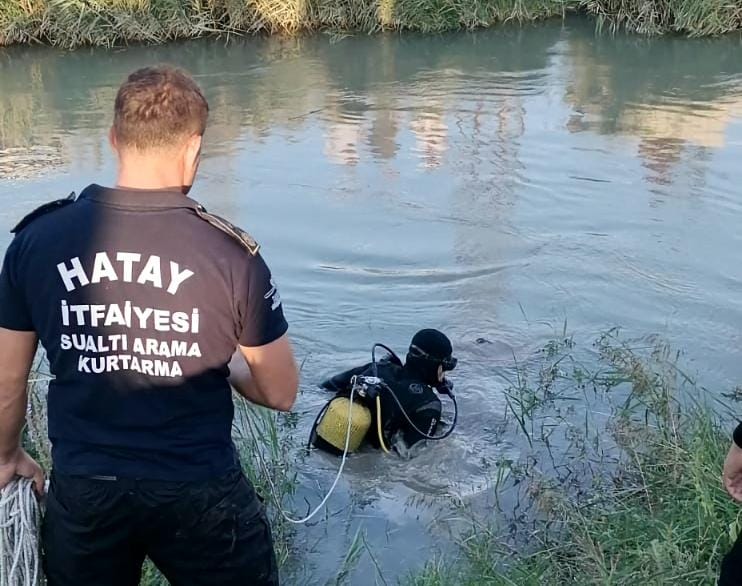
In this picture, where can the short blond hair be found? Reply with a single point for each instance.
(158, 107)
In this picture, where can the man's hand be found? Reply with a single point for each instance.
(17, 350)
(446, 387)
(733, 472)
(23, 465)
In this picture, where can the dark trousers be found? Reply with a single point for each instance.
(731, 566)
(97, 532)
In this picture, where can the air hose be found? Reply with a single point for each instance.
(378, 425)
(316, 423)
(394, 356)
(387, 388)
(337, 476)
(422, 433)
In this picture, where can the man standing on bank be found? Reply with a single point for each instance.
(140, 299)
(731, 566)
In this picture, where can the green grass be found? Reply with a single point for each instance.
(637, 502)
(694, 17)
(71, 23)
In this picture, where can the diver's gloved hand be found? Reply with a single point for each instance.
(446, 387)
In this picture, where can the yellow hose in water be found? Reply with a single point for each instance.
(378, 425)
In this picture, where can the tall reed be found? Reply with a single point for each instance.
(72, 23)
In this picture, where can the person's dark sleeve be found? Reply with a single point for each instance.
(426, 418)
(15, 313)
(260, 310)
(340, 383)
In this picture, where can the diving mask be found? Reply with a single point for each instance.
(448, 363)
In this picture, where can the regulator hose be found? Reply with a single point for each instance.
(316, 423)
(266, 470)
(393, 354)
(422, 433)
(386, 387)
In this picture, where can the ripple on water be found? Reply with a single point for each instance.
(421, 277)
(32, 162)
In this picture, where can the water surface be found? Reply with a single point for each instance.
(492, 184)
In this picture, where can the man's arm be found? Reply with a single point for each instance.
(266, 375)
(732, 475)
(17, 350)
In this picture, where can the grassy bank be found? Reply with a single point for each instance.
(70, 23)
(638, 501)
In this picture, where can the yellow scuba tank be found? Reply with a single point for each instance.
(333, 427)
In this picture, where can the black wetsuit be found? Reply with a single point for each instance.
(419, 401)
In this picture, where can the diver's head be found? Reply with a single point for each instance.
(430, 356)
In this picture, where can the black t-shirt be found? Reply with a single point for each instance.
(139, 304)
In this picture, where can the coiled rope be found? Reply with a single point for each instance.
(20, 518)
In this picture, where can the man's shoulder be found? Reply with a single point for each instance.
(234, 233)
(43, 210)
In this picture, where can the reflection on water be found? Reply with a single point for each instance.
(490, 184)
(29, 162)
(370, 92)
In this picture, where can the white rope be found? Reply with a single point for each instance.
(267, 474)
(20, 519)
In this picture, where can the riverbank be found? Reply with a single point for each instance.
(73, 23)
(637, 501)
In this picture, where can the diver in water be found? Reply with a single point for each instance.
(392, 402)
